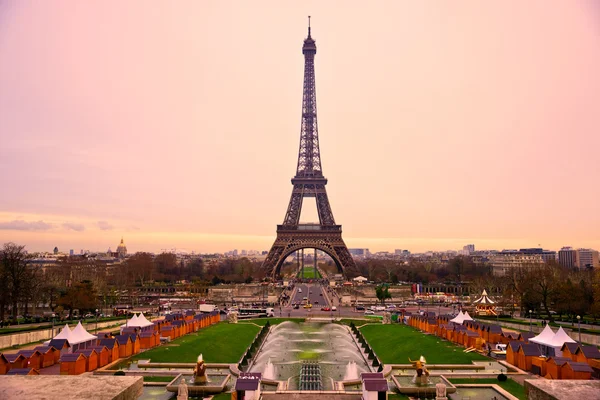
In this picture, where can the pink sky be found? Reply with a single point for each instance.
(176, 125)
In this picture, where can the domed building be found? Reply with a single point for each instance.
(121, 249)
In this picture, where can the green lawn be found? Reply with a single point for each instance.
(395, 344)
(398, 396)
(220, 343)
(509, 385)
(309, 273)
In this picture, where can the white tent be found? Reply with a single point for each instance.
(467, 317)
(459, 318)
(78, 338)
(545, 337)
(143, 321)
(66, 333)
(82, 334)
(551, 342)
(137, 322)
(558, 340)
(360, 279)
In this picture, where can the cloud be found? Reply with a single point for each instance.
(105, 226)
(21, 225)
(74, 226)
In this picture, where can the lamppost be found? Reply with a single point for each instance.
(579, 327)
(96, 320)
(530, 326)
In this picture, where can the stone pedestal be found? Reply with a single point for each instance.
(440, 392)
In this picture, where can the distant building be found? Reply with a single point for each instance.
(56, 250)
(71, 252)
(506, 260)
(398, 252)
(588, 258)
(468, 249)
(568, 257)
(121, 249)
(547, 255)
(359, 252)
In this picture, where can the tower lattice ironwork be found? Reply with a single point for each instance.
(309, 182)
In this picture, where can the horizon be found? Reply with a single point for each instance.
(177, 125)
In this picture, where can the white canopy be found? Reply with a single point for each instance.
(81, 334)
(459, 318)
(467, 317)
(143, 321)
(66, 333)
(552, 342)
(545, 337)
(75, 336)
(561, 338)
(360, 279)
(137, 322)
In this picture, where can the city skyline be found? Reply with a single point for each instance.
(439, 126)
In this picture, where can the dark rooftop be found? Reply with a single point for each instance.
(44, 349)
(590, 351)
(559, 360)
(28, 353)
(110, 343)
(71, 357)
(19, 371)
(59, 343)
(376, 385)
(531, 349)
(580, 366)
(371, 375)
(12, 357)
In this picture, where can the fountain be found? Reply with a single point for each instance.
(351, 371)
(199, 383)
(269, 370)
(200, 371)
(421, 374)
(294, 352)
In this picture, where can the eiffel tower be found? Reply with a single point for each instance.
(309, 182)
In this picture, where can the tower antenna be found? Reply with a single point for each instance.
(309, 26)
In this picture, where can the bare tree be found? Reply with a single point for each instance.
(13, 259)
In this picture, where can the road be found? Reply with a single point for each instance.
(314, 293)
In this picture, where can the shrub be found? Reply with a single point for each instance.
(502, 378)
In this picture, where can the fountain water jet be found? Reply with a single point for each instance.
(351, 371)
(269, 370)
(200, 371)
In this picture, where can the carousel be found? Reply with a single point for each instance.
(484, 305)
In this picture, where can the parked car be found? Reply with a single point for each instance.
(333, 308)
(325, 309)
(369, 312)
(296, 306)
(360, 308)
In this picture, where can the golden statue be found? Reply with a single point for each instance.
(200, 371)
(422, 374)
